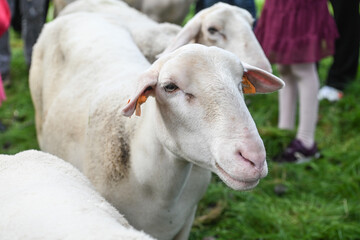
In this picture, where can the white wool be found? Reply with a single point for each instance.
(43, 197)
(234, 29)
(173, 11)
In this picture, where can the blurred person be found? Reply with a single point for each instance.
(246, 4)
(28, 16)
(5, 17)
(295, 35)
(346, 58)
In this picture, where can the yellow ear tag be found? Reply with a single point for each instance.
(140, 101)
(247, 86)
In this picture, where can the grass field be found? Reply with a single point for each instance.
(316, 200)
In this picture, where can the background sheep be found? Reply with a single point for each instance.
(42, 197)
(221, 25)
(172, 11)
(59, 5)
(155, 168)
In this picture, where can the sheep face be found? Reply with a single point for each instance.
(227, 27)
(201, 115)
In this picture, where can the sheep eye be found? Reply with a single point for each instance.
(212, 30)
(170, 87)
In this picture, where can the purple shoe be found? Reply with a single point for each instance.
(297, 153)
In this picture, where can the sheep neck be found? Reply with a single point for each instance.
(155, 166)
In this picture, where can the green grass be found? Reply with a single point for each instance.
(17, 112)
(317, 200)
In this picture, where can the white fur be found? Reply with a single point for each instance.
(153, 169)
(233, 24)
(173, 11)
(59, 5)
(42, 197)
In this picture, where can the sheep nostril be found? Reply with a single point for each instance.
(247, 160)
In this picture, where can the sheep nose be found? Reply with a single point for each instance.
(255, 160)
(247, 160)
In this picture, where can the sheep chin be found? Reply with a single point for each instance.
(233, 183)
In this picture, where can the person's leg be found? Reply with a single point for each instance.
(5, 53)
(201, 4)
(303, 147)
(287, 98)
(248, 5)
(32, 23)
(15, 15)
(346, 57)
(308, 86)
(46, 8)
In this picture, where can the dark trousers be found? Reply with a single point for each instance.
(346, 57)
(247, 4)
(28, 16)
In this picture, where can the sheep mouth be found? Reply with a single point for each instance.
(234, 183)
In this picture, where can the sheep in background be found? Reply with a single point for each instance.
(42, 197)
(172, 11)
(59, 5)
(87, 73)
(151, 37)
(221, 25)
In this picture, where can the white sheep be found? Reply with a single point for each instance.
(172, 11)
(155, 168)
(42, 197)
(59, 5)
(221, 25)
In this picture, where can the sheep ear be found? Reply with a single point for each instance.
(186, 34)
(146, 84)
(247, 16)
(146, 87)
(256, 80)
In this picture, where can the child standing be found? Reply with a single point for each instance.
(295, 34)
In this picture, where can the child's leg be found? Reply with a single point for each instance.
(287, 98)
(308, 86)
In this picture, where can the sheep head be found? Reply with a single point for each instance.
(227, 27)
(201, 115)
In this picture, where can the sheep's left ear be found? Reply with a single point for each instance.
(146, 87)
(256, 80)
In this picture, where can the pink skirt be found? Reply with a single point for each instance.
(2, 92)
(296, 31)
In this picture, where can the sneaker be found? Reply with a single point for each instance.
(296, 152)
(330, 93)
